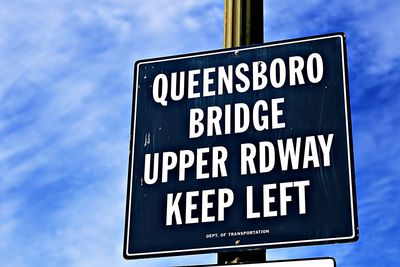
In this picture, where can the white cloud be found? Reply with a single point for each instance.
(65, 81)
(65, 93)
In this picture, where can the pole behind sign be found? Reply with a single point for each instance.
(244, 22)
(243, 25)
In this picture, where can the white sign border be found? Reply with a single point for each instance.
(310, 262)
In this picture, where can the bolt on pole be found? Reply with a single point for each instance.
(243, 25)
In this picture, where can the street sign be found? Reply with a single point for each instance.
(317, 262)
(241, 148)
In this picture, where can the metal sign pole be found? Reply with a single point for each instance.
(244, 22)
(251, 256)
(243, 25)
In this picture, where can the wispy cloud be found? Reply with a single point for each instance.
(65, 94)
(65, 89)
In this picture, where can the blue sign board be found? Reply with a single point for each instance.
(241, 148)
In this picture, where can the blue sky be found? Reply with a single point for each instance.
(65, 94)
